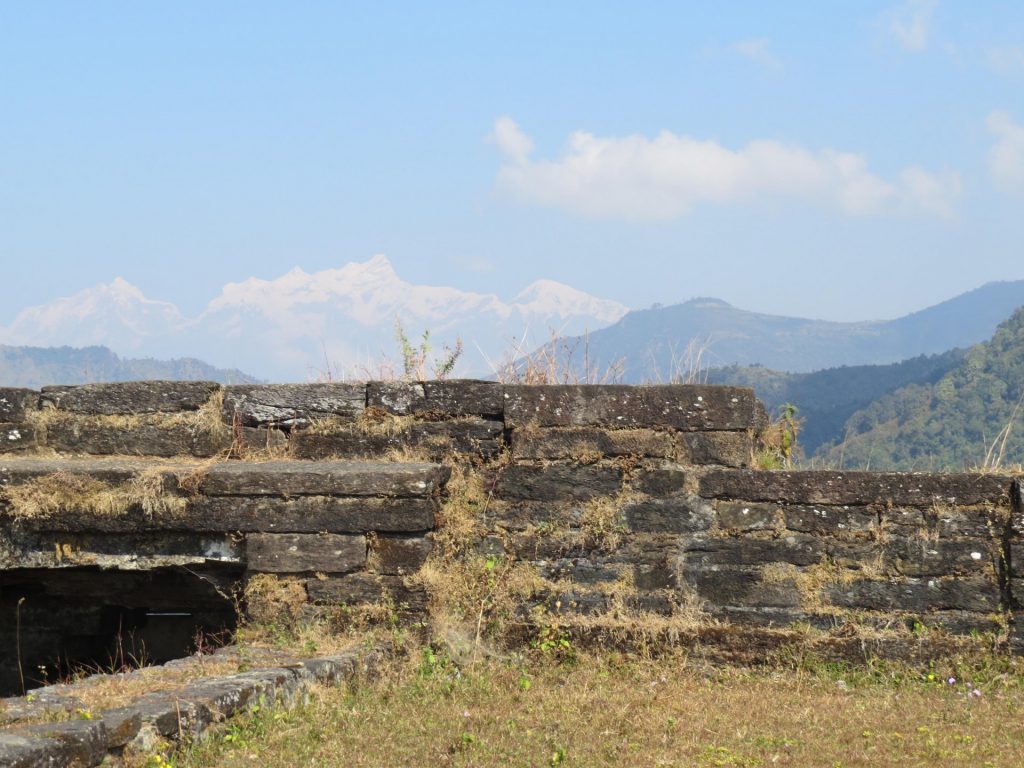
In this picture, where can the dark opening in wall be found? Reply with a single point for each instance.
(61, 622)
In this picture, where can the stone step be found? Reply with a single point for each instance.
(236, 478)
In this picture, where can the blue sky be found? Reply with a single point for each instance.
(846, 161)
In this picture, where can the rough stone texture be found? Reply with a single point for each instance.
(855, 488)
(72, 743)
(555, 482)
(741, 587)
(741, 516)
(304, 552)
(664, 481)
(829, 521)
(14, 470)
(311, 514)
(684, 407)
(476, 437)
(395, 555)
(729, 449)
(443, 399)
(918, 595)
(365, 589)
(126, 552)
(707, 552)
(130, 397)
(16, 402)
(327, 478)
(1018, 506)
(681, 515)
(16, 437)
(573, 443)
(303, 514)
(291, 405)
(918, 556)
(140, 440)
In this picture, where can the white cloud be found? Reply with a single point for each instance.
(510, 140)
(1006, 61)
(637, 177)
(909, 23)
(1006, 158)
(758, 51)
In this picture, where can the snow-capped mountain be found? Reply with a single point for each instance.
(301, 325)
(116, 314)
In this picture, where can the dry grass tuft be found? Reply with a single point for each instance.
(63, 492)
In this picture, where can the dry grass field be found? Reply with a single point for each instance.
(613, 711)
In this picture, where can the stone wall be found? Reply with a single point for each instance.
(633, 511)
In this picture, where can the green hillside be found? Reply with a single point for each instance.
(827, 399)
(972, 416)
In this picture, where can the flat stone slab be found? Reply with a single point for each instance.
(447, 398)
(856, 488)
(130, 397)
(323, 478)
(18, 469)
(291, 405)
(305, 552)
(682, 407)
(124, 551)
(231, 478)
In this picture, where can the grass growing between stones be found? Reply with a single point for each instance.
(613, 711)
(61, 492)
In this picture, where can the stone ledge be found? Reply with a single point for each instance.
(856, 488)
(189, 711)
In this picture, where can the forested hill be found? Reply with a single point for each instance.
(38, 366)
(827, 399)
(972, 416)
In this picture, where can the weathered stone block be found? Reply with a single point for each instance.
(741, 516)
(16, 402)
(395, 555)
(917, 595)
(945, 520)
(125, 552)
(444, 399)
(576, 443)
(21, 469)
(16, 437)
(309, 514)
(73, 743)
(741, 586)
(327, 478)
(130, 397)
(366, 589)
(122, 725)
(477, 437)
(141, 440)
(729, 449)
(556, 482)
(681, 515)
(653, 577)
(829, 521)
(706, 552)
(662, 482)
(304, 552)
(291, 405)
(581, 570)
(917, 556)
(855, 488)
(685, 407)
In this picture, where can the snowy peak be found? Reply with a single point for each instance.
(553, 299)
(284, 327)
(116, 313)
